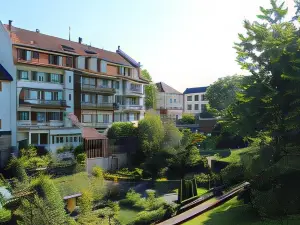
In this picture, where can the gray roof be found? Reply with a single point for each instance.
(162, 87)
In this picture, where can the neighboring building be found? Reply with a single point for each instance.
(8, 125)
(195, 101)
(56, 77)
(169, 102)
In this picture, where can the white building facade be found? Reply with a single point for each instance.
(169, 102)
(195, 101)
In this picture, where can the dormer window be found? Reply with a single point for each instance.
(67, 48)
(90, 52)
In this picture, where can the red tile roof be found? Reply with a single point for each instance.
(91, 133)
(47, 42)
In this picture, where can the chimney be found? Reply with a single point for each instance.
(9, 25)
(37, 30)
(119, 47)
(80, 40)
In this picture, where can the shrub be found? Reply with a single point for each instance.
(121, 129)
(187, 118)
(18, 170)
(233, 173)
(97, 172)
(149, 217)
(80, 158)
(5, 215)
(78, 150)
(131, 198)
(63, 149)
(85, 202)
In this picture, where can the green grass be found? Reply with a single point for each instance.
(237, 154)
(126, 215)
(234, 212)
(200, 191)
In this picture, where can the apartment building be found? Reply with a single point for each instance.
(169, 102)
(56, 77)
(195, 101)
(8, 126)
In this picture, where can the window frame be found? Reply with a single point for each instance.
(189, 107)
(196, 98)
(196, 108)
(189, 98)
(35, 55)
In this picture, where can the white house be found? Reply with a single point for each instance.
(7, 97)
(194, 100)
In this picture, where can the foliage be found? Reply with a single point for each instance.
(63, 149)
(85, 202)
(221, 93)
(97, 172)
(150, 91)
(45, 207)
(121, 129)
(78, 150)
(5, 216)
(233, 173)
(151, 134)
(131, 198)
(172, 135)
(149, 217)
(187, 119)
(187, 190)
(81, 158)
(16, 167)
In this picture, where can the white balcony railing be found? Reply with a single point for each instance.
(50, 123)
(131, 107)
(96, 125)
(134, 91)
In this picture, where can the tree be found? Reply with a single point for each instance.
(150, 91)
(188, 118)
(221, 93)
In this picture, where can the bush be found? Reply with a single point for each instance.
(78, 150)
(85, 202)
(97, 172)
(66, 148)
(131, 198)
(233, 174)
(149, 217)
(5, 216)
(121, 129)
(80, 158)
(187, 119)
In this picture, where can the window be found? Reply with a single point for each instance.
(43, 139)
(67, 139)
(34, 139)
(69, 61)
(70, 79)
(54, 116)
(75, 139)
(33, 94)
(105, 118)
(61, 139)
(23, 75)
(0, 86)
(105, 83)
(41, 117)
(71, 139)
(196, 97)
(87, 63)
(70, 97)
(117, 85)
(23, 115)
(105, 99)
(174, 100)
(40, 76)
(22, 54)
(196, 106)
(203, 108)
(57, 139)
(189, 107)
(87, 118)
(170, 100)
(35, 55)
(57, 96)
(54, 78)
(189, 98)
(203, 97)
(54, 59)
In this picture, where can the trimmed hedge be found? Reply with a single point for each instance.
(222, 153)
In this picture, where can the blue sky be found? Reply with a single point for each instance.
(184, 43)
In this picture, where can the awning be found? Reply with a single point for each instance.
(4, 75)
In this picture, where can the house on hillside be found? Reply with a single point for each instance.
(169, 102)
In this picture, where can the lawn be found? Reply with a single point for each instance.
(126, 215)
(234, 212)
(237, 154)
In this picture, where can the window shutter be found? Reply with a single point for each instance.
(60, 61)
(110, 118)
(28, 55)
(103, 66)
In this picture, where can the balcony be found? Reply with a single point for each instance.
(42, 102)
(90, 105)
(98, 89)
(39, 124)
(97, 125)
(131, 107)
(134, 91)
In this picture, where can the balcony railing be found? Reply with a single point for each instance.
(103, 105)
(97, 125)
(101, 89)
(62, 103)
(134, 91)
(50, 123)
(131, 107)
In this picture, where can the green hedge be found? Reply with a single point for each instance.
(222, 153)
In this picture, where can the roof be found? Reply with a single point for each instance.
(162, 87)
(195, 90)
(4, 75)
(51, 43)
(92, 134)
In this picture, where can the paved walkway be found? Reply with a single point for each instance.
(188, 215)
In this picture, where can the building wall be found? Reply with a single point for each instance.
(8, 94)
(167, 100)
(193, 102)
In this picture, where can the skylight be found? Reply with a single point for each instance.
(89, 52)
(67, 48)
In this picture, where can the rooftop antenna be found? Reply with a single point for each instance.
(69, 33)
